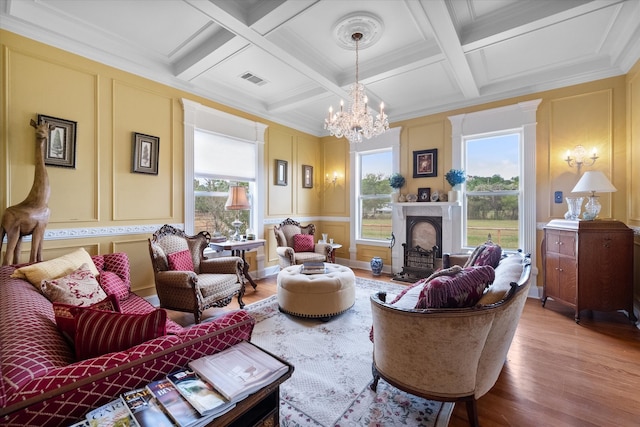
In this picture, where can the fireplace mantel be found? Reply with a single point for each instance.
(451, 226)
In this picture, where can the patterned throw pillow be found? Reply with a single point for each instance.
(180, 261)
(66, 321)
(487, 253)
(80, 288)
(101, 332)
(303, 243)
(461, 289)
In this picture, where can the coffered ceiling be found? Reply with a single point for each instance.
(420, 56)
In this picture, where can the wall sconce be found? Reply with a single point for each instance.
(578, 157)
(332, 180)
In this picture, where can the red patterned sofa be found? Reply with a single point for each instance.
(42, 384)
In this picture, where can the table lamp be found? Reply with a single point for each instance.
(593, 181)
(237, 201)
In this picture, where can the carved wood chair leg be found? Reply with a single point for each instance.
(376, 377)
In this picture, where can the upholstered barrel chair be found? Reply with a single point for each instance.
(295, 244)
(186, 280)
(449, 354)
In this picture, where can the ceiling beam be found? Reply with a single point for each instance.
(438, 18)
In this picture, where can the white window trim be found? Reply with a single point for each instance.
(517, 116)
(389, 139)
(198, 116)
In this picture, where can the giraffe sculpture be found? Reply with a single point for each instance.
(29, 217)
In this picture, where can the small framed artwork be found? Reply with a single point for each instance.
(61, 145)
(146, 149)
(307, 176)
(425, 163)
(424, 194)
(281, 172)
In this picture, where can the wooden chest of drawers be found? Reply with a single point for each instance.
(589, 265)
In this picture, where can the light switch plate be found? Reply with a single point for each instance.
(557, 197)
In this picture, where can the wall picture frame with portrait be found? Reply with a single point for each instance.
(307, 176)
(146, 149)
(60, 149)
(425, 163)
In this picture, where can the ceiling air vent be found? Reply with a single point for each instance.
(250, 77)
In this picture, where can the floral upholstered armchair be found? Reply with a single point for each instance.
(295, 244)
(186, 280)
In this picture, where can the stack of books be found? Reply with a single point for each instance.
(313, 268)
(193, 396)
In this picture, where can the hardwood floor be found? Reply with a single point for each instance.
(557, 373)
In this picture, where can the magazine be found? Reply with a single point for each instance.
(113, 414)
(239, 370)
(313, 268)
(200, 394)
(145, 409)
(181, 411)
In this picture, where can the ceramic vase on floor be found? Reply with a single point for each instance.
(376, 265)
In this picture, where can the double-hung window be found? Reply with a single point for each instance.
(492, 190)
(219, 162)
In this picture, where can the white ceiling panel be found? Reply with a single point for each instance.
(430, 55)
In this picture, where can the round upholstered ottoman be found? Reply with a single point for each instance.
(316, 295)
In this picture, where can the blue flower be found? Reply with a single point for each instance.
(396, 180)
(455, 177)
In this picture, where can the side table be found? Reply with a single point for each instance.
(238, 248)
(334, 246)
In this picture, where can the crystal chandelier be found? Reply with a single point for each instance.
(356, 122)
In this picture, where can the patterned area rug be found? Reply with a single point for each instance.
(330, 384)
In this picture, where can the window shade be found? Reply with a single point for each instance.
(224, 157)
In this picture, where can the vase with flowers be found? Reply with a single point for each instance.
(396, 181)
(455, 177)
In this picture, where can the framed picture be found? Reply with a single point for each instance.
(424, 194)
(425, 163)
(307, 176)
(145, 153)
(281, 172)
(61, 145)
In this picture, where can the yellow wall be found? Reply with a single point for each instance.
(101, 191)
(109, 105)
(594, 114)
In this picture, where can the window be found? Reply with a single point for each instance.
(218, 162)
(492, 190)
(221, 149)
(373, 161)
(508, 135)
(374, 195)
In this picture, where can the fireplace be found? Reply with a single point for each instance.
(422, 247)
(425, 225)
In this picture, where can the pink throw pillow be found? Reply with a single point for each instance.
(303, 243)
(461, 289)
(101, 332)
(180, 261)
(66, 321)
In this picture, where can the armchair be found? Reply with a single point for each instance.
(450, 354)
(186, 280)
(287, 243)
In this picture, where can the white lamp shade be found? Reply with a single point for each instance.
(594, 182)
(237, 199)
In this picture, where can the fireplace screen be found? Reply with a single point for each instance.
(418, 262)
